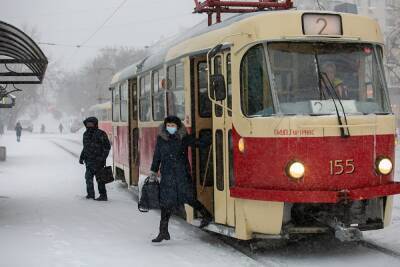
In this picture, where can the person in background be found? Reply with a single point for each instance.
(330, 77)
(42, 129)
(1, 128)
(176, 185)
(60, 128)
(18, 131)
(96, 147)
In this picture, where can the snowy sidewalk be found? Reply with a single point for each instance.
(45, 220)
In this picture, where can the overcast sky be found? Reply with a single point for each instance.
(70, 22)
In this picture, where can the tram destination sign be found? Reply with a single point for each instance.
(322, 24)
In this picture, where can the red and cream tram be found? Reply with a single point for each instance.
(103, 113)
(298, 109)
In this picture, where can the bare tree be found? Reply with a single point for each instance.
(77, 90)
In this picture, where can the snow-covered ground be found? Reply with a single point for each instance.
(46, 221)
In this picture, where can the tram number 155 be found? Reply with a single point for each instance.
(339, 167)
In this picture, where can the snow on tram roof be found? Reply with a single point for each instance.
(158, 52)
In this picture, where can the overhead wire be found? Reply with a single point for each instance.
(320, 6)
(104, 23)
(73, 54)
(67, 45)
(137, 22)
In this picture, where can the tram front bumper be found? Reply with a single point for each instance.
(316, 196)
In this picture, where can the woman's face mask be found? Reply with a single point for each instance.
(171, 130)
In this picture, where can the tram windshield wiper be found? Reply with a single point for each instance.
(327, 84)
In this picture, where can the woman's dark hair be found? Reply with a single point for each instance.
(173, 119)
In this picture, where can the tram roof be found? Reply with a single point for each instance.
(22, 59)
(103, 106)
(160, 50)
(176, 46)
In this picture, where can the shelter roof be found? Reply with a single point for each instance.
(21, 59)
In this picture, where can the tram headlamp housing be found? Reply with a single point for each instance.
(241, 145)
(295, 170)
(383, 165)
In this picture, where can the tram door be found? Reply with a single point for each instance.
(133, 133)
(222, 145)
(202, 126)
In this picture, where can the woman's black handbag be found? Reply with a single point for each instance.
(105, 175)
(150, 196)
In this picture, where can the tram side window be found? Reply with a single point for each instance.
(109, 115)
(255, 91)
(134, 106)
(145, 97)
(219, 159)
(206, 160)
(116, 104)
(101, 115)
(176, 92)
(218, 70)
(204, 102)
(158, 96)
(229, 82)
(124, 102)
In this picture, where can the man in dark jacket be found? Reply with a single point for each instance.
(96, 147)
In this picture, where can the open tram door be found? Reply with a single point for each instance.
(202, 157)
(134, 134)
(220, 68)
(212, 169)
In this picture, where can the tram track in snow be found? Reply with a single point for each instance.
(376, 247)
(76, 155)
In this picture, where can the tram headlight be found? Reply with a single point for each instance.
(241, 145)
(384, 166)
(295, 170)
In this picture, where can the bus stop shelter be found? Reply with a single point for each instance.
(21, 62)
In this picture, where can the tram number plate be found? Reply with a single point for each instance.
(339, 167)
(322, 24)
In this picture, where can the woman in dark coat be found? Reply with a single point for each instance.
(176, 187)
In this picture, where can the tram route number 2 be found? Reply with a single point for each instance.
(322, 24)
(339, 167)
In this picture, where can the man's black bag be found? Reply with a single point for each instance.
(150, 196)
(105, 175)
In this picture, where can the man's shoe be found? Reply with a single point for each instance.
(101, 198)
(89, 197)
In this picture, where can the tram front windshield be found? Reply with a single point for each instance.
(313, 79)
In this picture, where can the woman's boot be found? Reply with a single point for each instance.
(163, 235)
(205, 214)
(207, 217)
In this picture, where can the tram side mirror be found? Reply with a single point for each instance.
(216, 49)
(217, 87)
